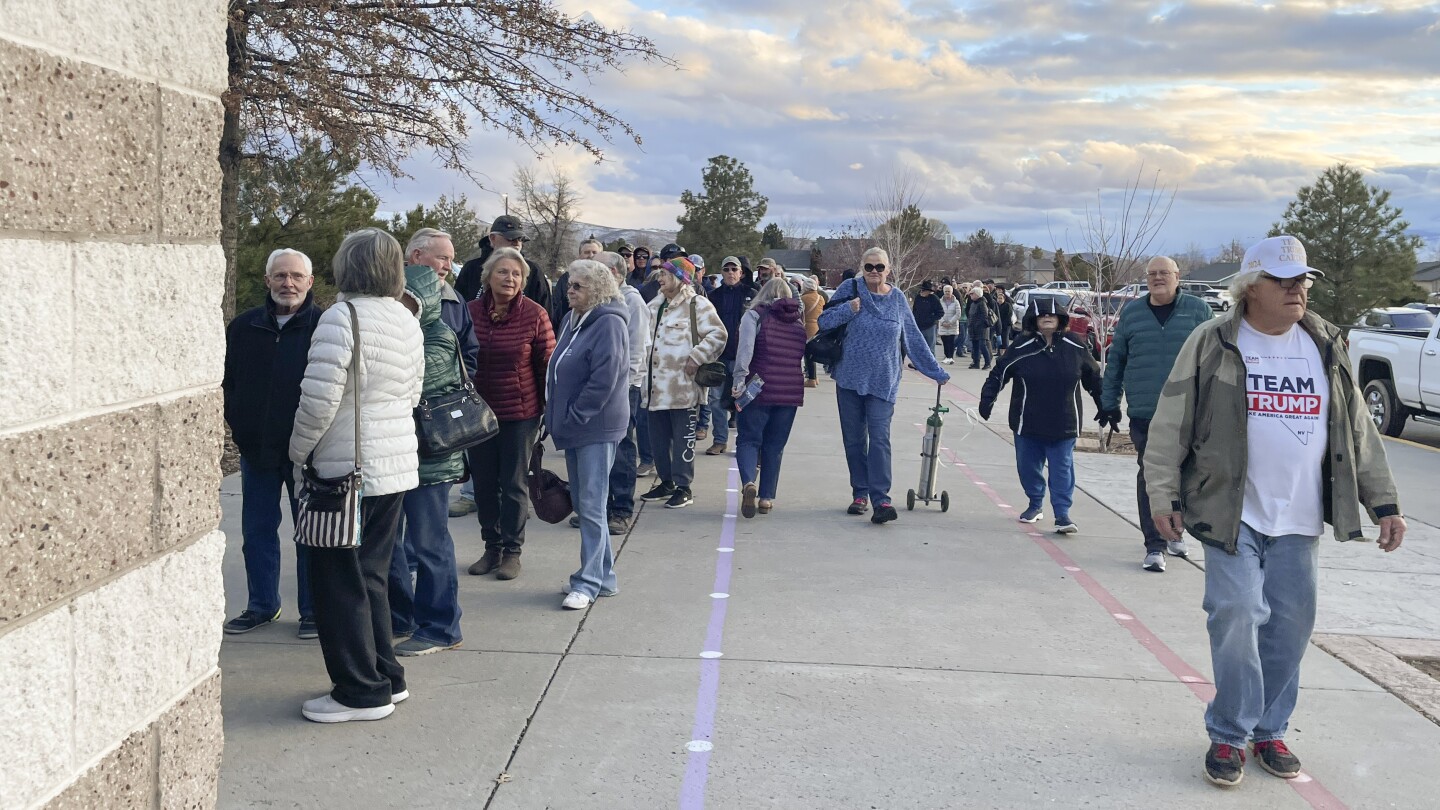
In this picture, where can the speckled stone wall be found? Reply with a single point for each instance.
(111, 352)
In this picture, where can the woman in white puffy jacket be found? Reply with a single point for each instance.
(352, 605)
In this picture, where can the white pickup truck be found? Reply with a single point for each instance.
(1400, 373)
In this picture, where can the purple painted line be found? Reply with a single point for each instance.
(697, 765)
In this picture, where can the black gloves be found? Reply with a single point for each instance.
(985, 408)
(1108, 417)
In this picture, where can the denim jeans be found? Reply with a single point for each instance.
(1031, 457)
(430, 609)
(1261, 607)
(642, 428)
(1140, 435)
(865, 431)
(929, 334)
(260, 527)
(980, 346)
(589, 469)
(764, 430)
(621, 500)
(719, 417)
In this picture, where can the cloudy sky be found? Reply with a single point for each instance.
(1015, 114)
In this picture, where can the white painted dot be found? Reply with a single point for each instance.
(1191, 679)
(699, 746)
(719, 596)
(1003, 505)
(1072, 568)
(724, 550)
(729, 516)
(711, 654)
(732, 490)
(1124, 617)
(981, 484)
(1303, 778)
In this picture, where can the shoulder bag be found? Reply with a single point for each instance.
(329, 514)
(709, 374)
(549, 493)
(455, 421)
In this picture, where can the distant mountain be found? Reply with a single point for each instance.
(652, 238)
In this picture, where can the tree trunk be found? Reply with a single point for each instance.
(230, 156)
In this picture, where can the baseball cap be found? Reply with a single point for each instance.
(767, 262)
(508, 227)
(625, 251)
(729, 260)
(697, 260)
(670, 251)
(1278, 256)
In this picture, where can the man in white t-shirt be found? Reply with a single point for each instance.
(1260, 437)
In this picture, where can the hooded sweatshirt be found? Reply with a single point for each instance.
(588, 378)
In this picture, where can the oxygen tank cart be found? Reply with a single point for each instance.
(930, 459)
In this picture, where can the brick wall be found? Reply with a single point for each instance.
(111, 345)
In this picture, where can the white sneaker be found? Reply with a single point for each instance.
(576, 601)
(1154, 561)
(1176, 548)
(326, 709)
(399, 697)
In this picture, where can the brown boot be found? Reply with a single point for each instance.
(486, 564)
(509, 567)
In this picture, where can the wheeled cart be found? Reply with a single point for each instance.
(930, 458)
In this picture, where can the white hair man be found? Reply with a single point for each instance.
(1259, 439)
(266, 351)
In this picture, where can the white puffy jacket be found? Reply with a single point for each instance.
(392, 367)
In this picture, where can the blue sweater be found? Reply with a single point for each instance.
(870, 365)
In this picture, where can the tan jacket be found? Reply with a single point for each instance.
(1196, 458)
(812, 304)
(667, 385)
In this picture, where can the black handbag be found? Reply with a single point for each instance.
(329, 508)
(709, 374)
(549, 493)
(455, 421)
(827, 346)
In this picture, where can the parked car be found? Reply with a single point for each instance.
(1077, 302)
(1396, 318)
(1131, 290)
(1433, 309)
(1066, 285)
(1399, 371)
(1018, 287)
(1218, 298)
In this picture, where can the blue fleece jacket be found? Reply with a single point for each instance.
(870, 364)
(587, 386)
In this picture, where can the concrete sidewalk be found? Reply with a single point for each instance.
(946, 660)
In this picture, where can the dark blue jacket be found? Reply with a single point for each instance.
(456, 315)
(731, 304)
(587, 386)
(264, 364)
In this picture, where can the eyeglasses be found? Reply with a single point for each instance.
(1306, 281)
(575, 285)
(874, 268)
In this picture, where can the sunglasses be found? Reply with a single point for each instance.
(1305, 281)
(874, 268)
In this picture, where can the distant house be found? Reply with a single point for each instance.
(797, 260)
(1216, 273)
(1427, 275)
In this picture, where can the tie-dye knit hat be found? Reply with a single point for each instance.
(682, 268)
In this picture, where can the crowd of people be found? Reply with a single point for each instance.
(629, 362)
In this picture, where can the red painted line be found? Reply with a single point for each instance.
(1314, 793)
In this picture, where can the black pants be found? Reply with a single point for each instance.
(350, 590)
(979, 343)
(948, 341)
(672, 439)
(1140, 434)
(498, 468)
(810, 371)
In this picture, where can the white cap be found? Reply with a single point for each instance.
(1278, 256)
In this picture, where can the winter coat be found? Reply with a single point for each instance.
(870, 364)
(927, 310)
(392, 367)
(1196, 457)
(467, 281)
(639, 324)
(455, 313)
(731, 304)
(950, 319)
(1143, 352)
(264, 364)
(772, 344)
(812, 303)
(978, 313)
(510, 365)
(442, 365)
(1046, 401)
(667, 385)
(1004, 314)
(588, 378)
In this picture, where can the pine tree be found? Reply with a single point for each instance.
(722, 219)
(773, 237)
(1352, 234)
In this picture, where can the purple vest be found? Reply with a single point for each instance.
(779, 351)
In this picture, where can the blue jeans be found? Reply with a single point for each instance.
(980, 347)
(589, 470)
(1261, 607)
(929, 333)
(1031, 456)
(714, 412)
(764, 430)
(865, 431)
(430, 609)
(642, 428)
(621, 502)
(260, 527)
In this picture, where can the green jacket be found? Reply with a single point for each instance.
(442, 366)
(1196, 457)
(1143, 352)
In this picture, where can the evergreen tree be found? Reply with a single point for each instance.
(773, 237)
(722, 219)
(1352, 234)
